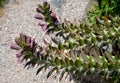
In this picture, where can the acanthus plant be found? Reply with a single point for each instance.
(104, 8)
(2, 2)
(83, 51)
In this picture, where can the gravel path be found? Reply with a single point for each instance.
(20, 18)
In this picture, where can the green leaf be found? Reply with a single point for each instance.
(81, 41)
(102, 72)
(103, 59)
(28, 54)
(90, 71)
(62, 62)
(94, 40)
(60, 46)
(54, 40)
(60, 33)
(71, 45)
(67, 60)
(62, 75)
(51, 71)
(32, 61)
(79, 70)
(115, 72)
(66, 46)
(40, 69)
(71, 62)
(52, 62)
(57, 61)
(78, 62)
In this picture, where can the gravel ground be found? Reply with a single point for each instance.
(19, 17)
